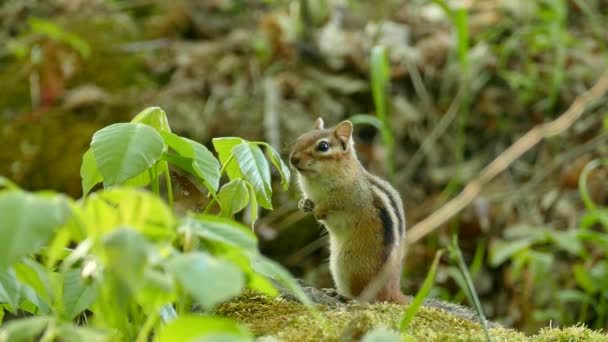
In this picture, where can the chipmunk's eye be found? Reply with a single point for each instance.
(323, 146)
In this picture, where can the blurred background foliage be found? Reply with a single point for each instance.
(437, 89)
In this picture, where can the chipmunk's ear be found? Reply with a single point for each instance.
(319, 124)
(344, 133)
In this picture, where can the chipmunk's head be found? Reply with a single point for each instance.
(324, 149)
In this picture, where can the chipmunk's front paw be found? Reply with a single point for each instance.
(306, 205)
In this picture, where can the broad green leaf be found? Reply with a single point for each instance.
(234, 197)
(223, 147)
(24, 329)
(155, 117)
(76, 295)
(283, 169)
(31, 273)
(204, 163)
(207, 279)
(190, 328)
(254, 168)
(274, 270)
(73, 333)
(157, 290)
(126, 255)
(6, 183)
(503, 250)
(125, 150)
(255, 280)
(88, 172)
(223, 230)
(416, 303)
(107, 210)
(28, 221)
(10, 289)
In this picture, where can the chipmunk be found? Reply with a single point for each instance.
(363, 213)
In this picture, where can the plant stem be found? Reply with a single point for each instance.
(457, 256)
(148, 326)
(169, 186)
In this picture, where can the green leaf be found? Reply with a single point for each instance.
(274, 270)
(31, 273)
(503, 250)
(223, 147)
(76, 295)
(107, 210)
(88, 172)
(283, 169)
(126, 254)
(6, 183)
(155, 117)
(72, 333)
(416, 303)
(234, 197)
(203, 162)
(28, 221)
(24, 329)
(191, 327)
(207, 279)
(222, 230)
(254, 168)
(10, 289)
(157, 290)
(124, 150)
(255, 280)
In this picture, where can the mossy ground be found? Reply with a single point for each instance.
(290, 321)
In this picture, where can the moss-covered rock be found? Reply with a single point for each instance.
(291, 321)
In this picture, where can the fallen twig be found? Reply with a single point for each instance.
(506, 158)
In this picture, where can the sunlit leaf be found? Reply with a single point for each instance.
(234, 197)
(76, 295)
(155, 117)
(31, 273)
(107, 210)
(254, 168)
(24, 329)
(88, 172)
(10, 289)
(125, 150)
(156, 291)
(207, 279)
(274, 270)
(203, 162)
(193, 328)
(223, 147)
(126, 254)
(28, 221)
(283, 169)
(503, 250)
(255, 280)
(253, 205)
(223, 230)
(73, 333)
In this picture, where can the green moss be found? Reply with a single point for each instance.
(290, 321)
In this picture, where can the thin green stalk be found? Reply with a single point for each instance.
(456, 255)
(169, 186)
(416, 303)
(144, 333)
(154, 180)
